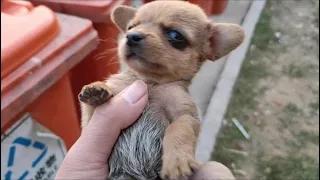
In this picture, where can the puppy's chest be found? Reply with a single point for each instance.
(164, 101)
(156, 108)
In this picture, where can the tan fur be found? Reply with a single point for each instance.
(229, 37)
(168, 71)
(123, 16)
(179, 147)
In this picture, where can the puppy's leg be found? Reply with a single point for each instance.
(86, 114)
(91, 96)
(179, 145)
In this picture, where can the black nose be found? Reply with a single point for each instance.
(134, 39)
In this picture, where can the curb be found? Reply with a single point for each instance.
(223, 92)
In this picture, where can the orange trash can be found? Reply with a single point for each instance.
(210, 7)
(103, 61)
(38, 50)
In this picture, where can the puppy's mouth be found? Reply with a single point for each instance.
(134, 56)
(140, 62)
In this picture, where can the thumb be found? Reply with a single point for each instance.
(97, 140)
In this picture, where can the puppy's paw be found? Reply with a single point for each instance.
(178, 166)
(95, 94)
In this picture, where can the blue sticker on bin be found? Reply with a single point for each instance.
(21, 141)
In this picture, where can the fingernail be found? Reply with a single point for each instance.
(135, 92)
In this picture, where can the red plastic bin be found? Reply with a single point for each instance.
(103, 61)
(35, 73)
(211, 7)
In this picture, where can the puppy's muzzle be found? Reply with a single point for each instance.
(134, 39)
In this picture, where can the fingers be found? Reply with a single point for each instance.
(123, 109)
(213, 170)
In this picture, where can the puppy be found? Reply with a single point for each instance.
(164, 44)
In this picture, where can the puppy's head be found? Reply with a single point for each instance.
(168, 40)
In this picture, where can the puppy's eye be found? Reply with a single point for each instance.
(175, 35)
(176, 39)
(130, 27)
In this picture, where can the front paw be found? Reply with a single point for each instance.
(95, 94)
(178, 165)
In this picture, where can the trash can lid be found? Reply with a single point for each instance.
(16, 7)
(96, 11)
(24, 31)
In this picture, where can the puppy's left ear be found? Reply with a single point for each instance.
(121, 16)
(224, 38)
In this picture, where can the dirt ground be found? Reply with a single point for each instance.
(276, 98)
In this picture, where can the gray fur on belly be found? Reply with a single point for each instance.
(137, 153)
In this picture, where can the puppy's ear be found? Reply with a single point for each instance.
(121, 16)
(225, 37)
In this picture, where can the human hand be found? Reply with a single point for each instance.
(88, 157)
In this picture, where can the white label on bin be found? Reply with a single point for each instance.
(29, 154)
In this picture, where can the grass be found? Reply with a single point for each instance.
(295, 145)
(260, 123)
(285, 121)
(314, 105)
(292, 109)
(244, 100)
(245, 91)
(264, 34)
(292, 167)
(316, 15)
(308, 136)
(294, 70)
(229, 138)
(252, 70)
(316, 18)
(301, 140)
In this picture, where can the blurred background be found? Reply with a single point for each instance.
(260, 104)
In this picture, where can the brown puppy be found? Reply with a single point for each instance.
(164, 45)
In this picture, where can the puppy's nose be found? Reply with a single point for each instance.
(134, 39)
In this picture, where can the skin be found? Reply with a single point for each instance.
(98, 143)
